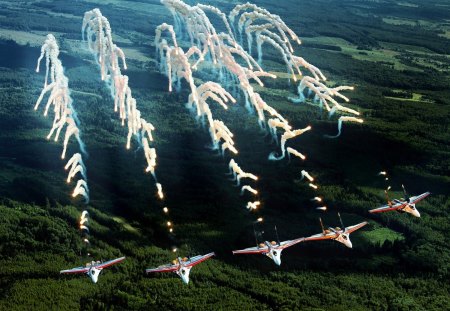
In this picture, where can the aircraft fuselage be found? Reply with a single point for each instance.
(274, 253)
(344, 238)
(93, 273)
(183, 271)
(411, 209)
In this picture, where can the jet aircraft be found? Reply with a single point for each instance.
(181, 266)
(406, 205)
(270, 249)
(341, 235)
(93, 269)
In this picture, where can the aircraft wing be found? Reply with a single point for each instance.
(165, 268)
(355, 227)
(418, 198)
(320, 236)
(387, 208)
(198, 259)
(252, 250)
(289, 243)
(109, 263)
(81, 269)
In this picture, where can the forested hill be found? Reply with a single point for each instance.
(395, 53)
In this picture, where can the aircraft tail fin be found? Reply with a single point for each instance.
(321, 225)
(405, 193)
(278, 238)
(340, 219)
(387, 197)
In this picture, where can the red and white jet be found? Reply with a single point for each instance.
(93, 269)
(181, 266)
(337, 234)
(270, 249)
(407, 205)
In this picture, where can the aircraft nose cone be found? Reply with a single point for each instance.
(349, 244)
(416, 213)
(93, 274)
(185, 280)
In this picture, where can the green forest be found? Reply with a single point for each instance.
(395, 54)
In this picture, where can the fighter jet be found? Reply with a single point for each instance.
(337, 234)
(406, 205)
(270, 249)
(182, 266)
(93, 269)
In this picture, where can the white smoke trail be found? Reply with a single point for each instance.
(84, 217)
(315, 187)
(222, 49)
(284, 138)
(64, 112)
(253, 205)
(235, 66)
(295, 153)
(248, 188)
(83, 227)
(306, 174)
(340, 121)
(160, 191)
(107, 54)
(269, 28)
(243, 174)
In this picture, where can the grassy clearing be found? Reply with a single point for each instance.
(416, 97)
(398, 21)
(125, 224)
(379, 235)
(154, 9)
(33, 38)
(386, 55)
(407, 4)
